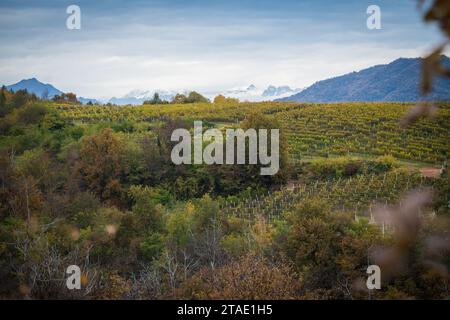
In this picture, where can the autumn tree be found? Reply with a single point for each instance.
(100, 163)
(179, 98)
(66, 97)
(220, 99)
(250, 277)
(2, 100)
(195, 97)
(329, 250)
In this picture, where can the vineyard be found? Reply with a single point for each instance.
(316, 131)
(358, 195)
(367, 129)
(312, 130)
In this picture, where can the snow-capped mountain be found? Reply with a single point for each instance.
(137, 97)
(148, 94)
(249, 93)
(277, 92)
(253, 93)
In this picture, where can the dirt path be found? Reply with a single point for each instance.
(430, 172)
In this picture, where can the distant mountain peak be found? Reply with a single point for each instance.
(138, 96)
(33, 85)
(42, 90)
(245, 93)
(277, 92)
(253, 93)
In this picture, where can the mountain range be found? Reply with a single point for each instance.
(249, 93)
(396, 81)
(254, 94)
(137, 97)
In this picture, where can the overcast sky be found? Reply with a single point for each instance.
(204, 45)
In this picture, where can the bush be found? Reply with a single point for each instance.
(248, 278)
(124, 126)
(32, 114)
(341, 167)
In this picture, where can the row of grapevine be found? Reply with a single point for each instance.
(357, 194)
(311, 129)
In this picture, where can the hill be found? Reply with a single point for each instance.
(42, 90)
(398, 81)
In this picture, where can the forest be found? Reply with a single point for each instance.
(94, 186)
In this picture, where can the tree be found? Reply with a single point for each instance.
(155, 100)
(195, 97)
(249, 277)
(327, 248)
(66, 97)
(2, 101)
(220, 99)
(20, 98)
(257, 121)
(100, 163)
(32, 113)
(145, 201)
(179, 98)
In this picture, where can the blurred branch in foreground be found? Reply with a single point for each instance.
(432, 67)
(420, 243)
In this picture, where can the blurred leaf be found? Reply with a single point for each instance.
(431, 67)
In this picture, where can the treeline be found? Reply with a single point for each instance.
(10, 99)
(192, 97)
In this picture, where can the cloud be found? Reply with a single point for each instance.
(201, 45)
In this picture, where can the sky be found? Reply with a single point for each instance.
(203, 45)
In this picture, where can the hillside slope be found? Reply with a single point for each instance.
(398, 81)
